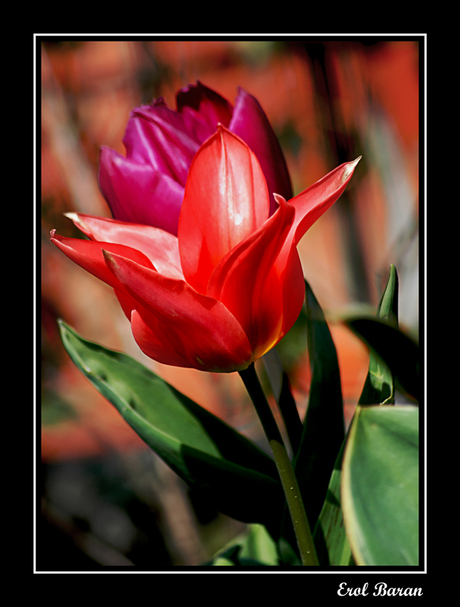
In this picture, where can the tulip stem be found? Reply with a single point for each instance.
(286, 473)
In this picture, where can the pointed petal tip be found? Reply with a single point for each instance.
(221, 128)
(75, 218)
(109, 257)
(78, 221)
(350, 168)
(280, 200)
(224, 135)
(71, 215)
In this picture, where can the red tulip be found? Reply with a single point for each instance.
(230, 285)
(147, 186)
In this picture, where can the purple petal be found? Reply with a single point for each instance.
(251, 124)
(202, 109)
(137, 193)
(158, 136)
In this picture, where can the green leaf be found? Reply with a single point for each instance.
(380, 486)
(324, 429)
(237, 477)
(379, 385)
(331, 541)
(259, 546)
(254, 548)
(332, 546)
(388, 306)
(395, 348)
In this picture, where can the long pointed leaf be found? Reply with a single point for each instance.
(332, 545)
(204, 451)
(330, 537)
(379, 385)
(323, 431)
(397, 349)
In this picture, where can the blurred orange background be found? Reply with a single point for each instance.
(329, 102)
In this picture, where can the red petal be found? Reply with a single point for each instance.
(318, 198)
(89, 255)
(292, 286)
(199, 328)
(158, 343)
(160, 247)
(261, 279)
(226, 200)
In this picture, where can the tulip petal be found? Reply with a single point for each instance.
(88, 254)
(158, 343)
(203, 109)
(158, 136)
(137, 193)
(292, 285)
(160, 247)
(254, 280)
(318, 198)
(250, 122)
(200, 328)
(225, 200)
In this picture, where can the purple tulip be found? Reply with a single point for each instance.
(147, 185)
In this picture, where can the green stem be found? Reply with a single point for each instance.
(284, 467)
